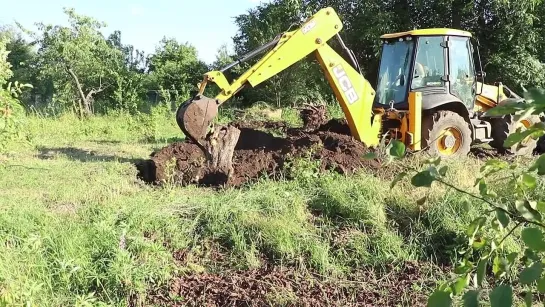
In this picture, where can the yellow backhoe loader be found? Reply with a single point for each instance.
(429, 94)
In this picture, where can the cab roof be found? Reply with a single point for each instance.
(428, 32)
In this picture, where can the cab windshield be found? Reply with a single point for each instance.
(394, 72)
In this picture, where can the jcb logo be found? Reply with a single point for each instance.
(308, 26)
(346, 85)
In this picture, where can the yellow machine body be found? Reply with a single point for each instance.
(351, 89)
(354, 93)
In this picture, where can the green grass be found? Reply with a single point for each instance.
(77, 226)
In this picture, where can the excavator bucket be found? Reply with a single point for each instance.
(195, 115)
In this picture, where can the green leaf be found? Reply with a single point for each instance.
(493, 166)
(370, 156)
(539, 165)
(529, 181)
(423, 179)
(496, 226)
(500, 266)
(511, 258)
(483, 188)
(444, 287)
(471, 299)
(464, 268)
(530, 254)
(540, 206)
(517, 137)
(501, 296)
(481, 271)
(435, 161)
(541, 285)
(443, 170)
(397, 179)
(503, 218)
(397, 149)
(531, 274)
(479, 243)
(535, 95)
(526, 210)
(460, 284)
(504, 109)
(475, 226)
(528, 298)
(439, 299)
(533, 238)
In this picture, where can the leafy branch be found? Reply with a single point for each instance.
(488, 233)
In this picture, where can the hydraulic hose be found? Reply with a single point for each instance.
(252, 54)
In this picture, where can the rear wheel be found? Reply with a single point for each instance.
(446, 134)
(506, 125)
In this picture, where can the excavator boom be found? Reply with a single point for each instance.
(351, 89)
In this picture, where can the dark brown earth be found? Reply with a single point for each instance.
(260, 153)
(276, 286)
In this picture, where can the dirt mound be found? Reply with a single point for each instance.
(259, 153)
(275, 286)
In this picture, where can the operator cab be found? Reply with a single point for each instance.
(436, 62)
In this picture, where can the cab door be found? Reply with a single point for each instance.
(462, 81)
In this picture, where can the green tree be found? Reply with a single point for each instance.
(304, 80)
(11, 111)
(78, 60)
(175, 69)
(509, 32)
(223, 57)
(128, 89)
(5, 66)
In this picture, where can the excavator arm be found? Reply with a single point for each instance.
(351, 89)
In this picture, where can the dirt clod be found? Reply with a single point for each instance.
(259, 152)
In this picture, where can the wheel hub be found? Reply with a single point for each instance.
(450, 141)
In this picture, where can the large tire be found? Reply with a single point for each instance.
(506, 125)
(446, 134)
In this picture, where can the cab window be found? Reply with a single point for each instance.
(462, 71)
(429, 68)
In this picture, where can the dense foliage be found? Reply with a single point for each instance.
(508, 31)
(11, 110)
(77, 67)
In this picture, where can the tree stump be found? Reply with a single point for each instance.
(221, 147)
(313, 116)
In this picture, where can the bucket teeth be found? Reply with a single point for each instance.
(195, 115)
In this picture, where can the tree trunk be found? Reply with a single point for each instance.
(221, 147)
(458, 9)
(80, 91)
(86, 102)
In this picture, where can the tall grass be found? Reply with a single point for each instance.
(77, 226)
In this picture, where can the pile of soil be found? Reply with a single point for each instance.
(258, 152)
(275, 286)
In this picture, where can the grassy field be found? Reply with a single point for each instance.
(78, 228)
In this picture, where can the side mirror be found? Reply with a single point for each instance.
(481, 74)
